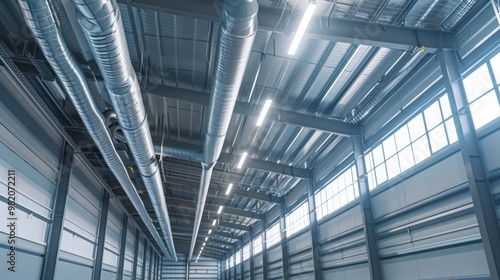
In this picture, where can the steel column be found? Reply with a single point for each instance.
(187, 269)
(234, 266)
(123, 245)
(242, 265)
(103, 220)
(316, 248)
(479, 186)
(252, 265)
(150, 261)
(265, 269)
(144, 257)
(136, 251)
(366, 208)
(284, 242)
(59, 207)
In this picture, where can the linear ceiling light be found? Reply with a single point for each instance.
(206, 238)
(214, 222)
(220, 209)
(229, 188)
(209, 231)
(264, 111)
(302, 28)
(242, 159)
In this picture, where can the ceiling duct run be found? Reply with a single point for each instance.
(42, 24)
(102, 25)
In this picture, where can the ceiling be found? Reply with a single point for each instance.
(173, 44)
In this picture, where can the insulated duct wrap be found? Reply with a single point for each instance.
(236, 36)
(42, 24)
(103, 28)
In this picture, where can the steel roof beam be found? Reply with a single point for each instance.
(242, 108)
(235, 226)
(339, 30)
(251, 163)
(175, 202)
(236, 191)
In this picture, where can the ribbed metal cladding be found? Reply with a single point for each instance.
(236, 37)
(417, 56)
(42, 24)
(102, 25)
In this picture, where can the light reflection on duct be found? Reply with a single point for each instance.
(103, 28)
(42, 24)
(237, 33)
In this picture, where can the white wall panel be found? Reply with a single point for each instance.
(348, 273)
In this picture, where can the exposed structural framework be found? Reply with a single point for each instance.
(43, 26)
(254, 139)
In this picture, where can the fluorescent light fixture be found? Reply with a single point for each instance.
(242, 159)
(264, 111)
(229, 188)
(220, 209)
(204, 244)
(302, 28)
(209, 231)
(214, 222)
(206, 238)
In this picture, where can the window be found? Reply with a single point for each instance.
(273, 235)
(246, 252)
(336, 194)
(257, 245)
(227, 264)
(237, 257)
(297, 219)
(425, 134)
(231, 261)
(480, 92)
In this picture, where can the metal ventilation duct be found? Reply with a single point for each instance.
(102, 25)
(42, 24)
(236, 37)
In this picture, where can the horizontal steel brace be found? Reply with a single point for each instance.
(175, 202)
(236, 191)
(312, 122)
(338, 30)
(251, 163)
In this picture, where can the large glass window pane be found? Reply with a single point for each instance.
(329, 206)
(451, 130)
(485, 109)
(416, 127)
(406, 158)
(381, 174)
(371, 180)
(433, 116)
(343, 197)
(437, 136)
(368, 161)
(257, 245)
(356, 189)
(335, 187)
(477, 83)
(402, 137)
(378, 155)
(348, 177)
(341, 181)
(445, 106)
(389, 147)
(392, 167)
(336, 202)
(350, 193)
(495, 64)
(421, 149)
